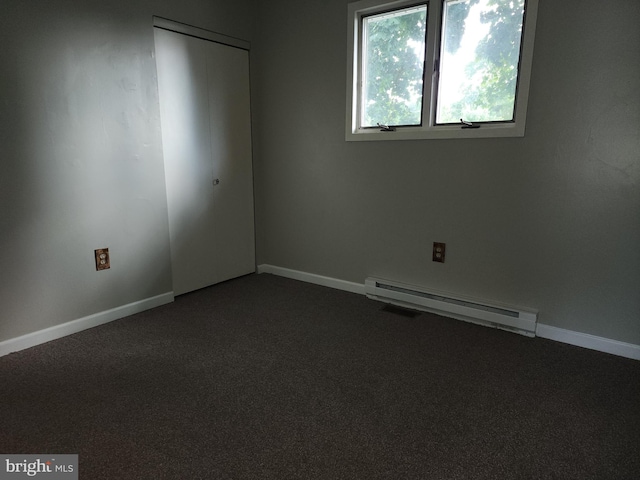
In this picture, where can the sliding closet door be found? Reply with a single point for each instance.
(206, 134)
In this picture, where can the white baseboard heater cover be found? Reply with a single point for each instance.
(513, 319)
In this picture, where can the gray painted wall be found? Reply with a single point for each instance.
(549, 221)
(81, 155)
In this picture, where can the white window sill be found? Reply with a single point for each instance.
(440, 132)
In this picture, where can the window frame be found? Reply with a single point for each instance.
(429, 129)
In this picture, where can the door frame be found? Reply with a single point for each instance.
(192, 31)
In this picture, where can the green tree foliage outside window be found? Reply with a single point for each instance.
(479, 63)
(394, 46)
(485, 89)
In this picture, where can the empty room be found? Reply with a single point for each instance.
(316, 240)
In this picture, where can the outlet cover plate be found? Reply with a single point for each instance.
(102, 259)
(438, 252)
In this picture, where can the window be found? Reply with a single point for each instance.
(439, 68)
(393, 67)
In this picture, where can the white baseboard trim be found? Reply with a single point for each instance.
(58, 331)
(313, 278)
(592, 342)
(578, 339)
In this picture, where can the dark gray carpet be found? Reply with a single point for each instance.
(268, 378)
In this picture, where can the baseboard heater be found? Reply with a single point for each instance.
(518, 320)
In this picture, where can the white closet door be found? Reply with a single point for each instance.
(230, 131)
(206, 135)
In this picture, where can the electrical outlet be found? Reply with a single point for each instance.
(102, 259)
(438, 252)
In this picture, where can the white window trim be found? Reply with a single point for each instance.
(429, 130)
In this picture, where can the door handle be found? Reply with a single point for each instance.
(216, 181)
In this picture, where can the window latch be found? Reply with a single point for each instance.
(386, 128)
(466, 124)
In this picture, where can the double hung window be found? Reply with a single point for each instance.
(438, 68)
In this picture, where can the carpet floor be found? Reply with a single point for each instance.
(264, 377)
